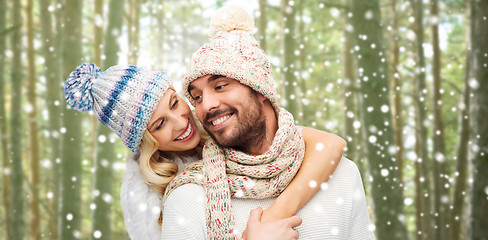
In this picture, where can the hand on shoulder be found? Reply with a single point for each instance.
(281, 229)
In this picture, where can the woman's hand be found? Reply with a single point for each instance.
(281, 229)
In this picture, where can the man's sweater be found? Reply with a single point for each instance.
(337, 211)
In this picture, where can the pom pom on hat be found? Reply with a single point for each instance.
(230, 18)
(78, 87)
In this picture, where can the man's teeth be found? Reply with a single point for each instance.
(186, 134)
(220, 120)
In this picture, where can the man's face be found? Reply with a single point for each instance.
(231, 112)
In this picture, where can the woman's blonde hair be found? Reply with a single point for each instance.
(156, 167)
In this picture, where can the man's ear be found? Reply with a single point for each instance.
(261, 97)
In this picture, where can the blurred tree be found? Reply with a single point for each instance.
(424, 221)
(262, 23)
(133, 25)
(98, 33)
(17, 174)
(440, 171)
(98, 26)
(161, 26)
(396, 109)
(386, 187)
(288, 57)
(101, 220)
(70, 193)
(3, 125)
(478, 111)
(460, 190)
(219, 3)
(53, 90)
(350, 92)
(35, 218)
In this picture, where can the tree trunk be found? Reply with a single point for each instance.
(70, 197)
(377, 122)
(441, 196)
(478, 110)
(101, 220)
(98, 33)
(16, 127)
(3, 127)
(97, 60)
(262, 23)
(351, 111)
(462, 160)
(301, 68)
(53, 91)
(396, 109)
(160, 37)
(349, 94)
(460, 190)
(133, 31)
(289, 66)
(424, 193)
(32, 119)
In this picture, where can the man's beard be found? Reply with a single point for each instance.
(249, 131)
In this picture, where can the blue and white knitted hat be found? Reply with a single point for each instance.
(123, 97)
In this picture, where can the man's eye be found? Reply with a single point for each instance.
(220, 86)
(196, 98)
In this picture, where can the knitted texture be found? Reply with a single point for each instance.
(337, 212)
(233, 52)
(229, 173)
(123, 97)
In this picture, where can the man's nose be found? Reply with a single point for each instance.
(210, 102)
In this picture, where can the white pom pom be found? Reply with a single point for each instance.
(230, 18)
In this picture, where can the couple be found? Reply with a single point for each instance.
(255, 150)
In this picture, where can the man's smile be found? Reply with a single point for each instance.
(220, 121)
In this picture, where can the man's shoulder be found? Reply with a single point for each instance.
(346, 170)
(186, 194)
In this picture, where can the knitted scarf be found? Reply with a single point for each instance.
(228, 173)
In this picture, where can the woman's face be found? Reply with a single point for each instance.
(172, 124)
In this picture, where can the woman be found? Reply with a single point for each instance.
(143, 109)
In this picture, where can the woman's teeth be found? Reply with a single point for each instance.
(186, 134)
(220, 120)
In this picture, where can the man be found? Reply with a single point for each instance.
(230, 84)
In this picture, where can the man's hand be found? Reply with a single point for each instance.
(281, 229)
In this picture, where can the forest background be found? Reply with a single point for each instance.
(405, 82)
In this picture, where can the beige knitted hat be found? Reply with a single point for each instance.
(233, 52)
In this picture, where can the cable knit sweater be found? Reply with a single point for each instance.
(337, 211)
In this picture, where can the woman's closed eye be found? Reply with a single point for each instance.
(175, 103)
(160, 124)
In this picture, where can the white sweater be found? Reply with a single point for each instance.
(337, 211)
(140, 203)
